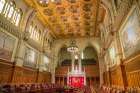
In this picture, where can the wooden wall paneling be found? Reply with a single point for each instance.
(24, 75)
(124, 76)
(9, 73)
(106, 78)
(91, 71)
(132, 66)
(116, 77)
(65, 80)
(5, 71)
(134, 79)
(40, 78)
(47, 77)
(44, 77)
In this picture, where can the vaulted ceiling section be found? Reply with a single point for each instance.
(64, 18)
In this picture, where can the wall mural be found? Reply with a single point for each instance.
(130, 35)
(7, 44)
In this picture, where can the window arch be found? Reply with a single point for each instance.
(2, 3)
(35, 32)
(6, 9)
(14, 16)
(10, 11)
(18, 17)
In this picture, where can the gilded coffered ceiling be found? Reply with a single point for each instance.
(70, 17)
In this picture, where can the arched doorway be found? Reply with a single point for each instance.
(64, 61)
(91, 65)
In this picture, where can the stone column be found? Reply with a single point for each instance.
(53, 77)
(52, 72)
(19, 59)
(40, 61)
(80, 63)
(52, 67)
(72, 63)
(102, 69)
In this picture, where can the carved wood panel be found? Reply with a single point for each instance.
(116, 77)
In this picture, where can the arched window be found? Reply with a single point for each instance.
(37, 35)
(2, 3)
(6, 9)
(30, 29)
(11, 10)
(34, 35)
(18, 19)
(40, 38)
(14, 16)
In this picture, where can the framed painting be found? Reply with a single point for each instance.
(130, 33)
(30, 57)
(7, 46)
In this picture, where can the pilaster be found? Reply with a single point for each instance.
(19, 59)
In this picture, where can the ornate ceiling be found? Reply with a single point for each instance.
(70, 17)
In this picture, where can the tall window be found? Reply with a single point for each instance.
(18, 19)
(14, 16)
(35, 33)
(30, 30)
(2, 3)
(6, 9)
(9, 10)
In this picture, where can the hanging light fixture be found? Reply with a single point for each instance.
(73, 48)
(43, 1)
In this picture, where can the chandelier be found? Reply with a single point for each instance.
(43, 1)
(73, 48)
(46, 2)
